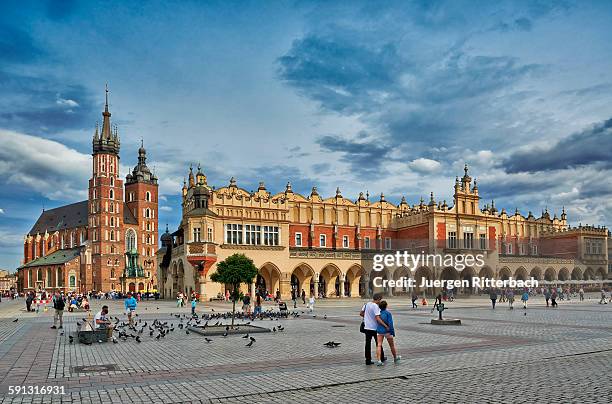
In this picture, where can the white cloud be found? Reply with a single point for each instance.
(67, 102)
(44, 166)
(424, 165)
(1, 211)
(166, 208)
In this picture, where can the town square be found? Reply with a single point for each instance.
(495, 356)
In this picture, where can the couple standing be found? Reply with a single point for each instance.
(378, 324)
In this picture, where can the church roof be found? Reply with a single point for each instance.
(128, 216)
(56, 258)
(64, 217)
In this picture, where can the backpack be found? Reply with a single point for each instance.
(59, 304)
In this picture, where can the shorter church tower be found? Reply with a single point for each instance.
(141, 190)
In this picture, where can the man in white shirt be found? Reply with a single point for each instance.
(371, 318)
(100, 319)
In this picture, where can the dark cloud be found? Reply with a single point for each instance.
(365, 156)
(44, 105)
(589, 147)
(339, 74)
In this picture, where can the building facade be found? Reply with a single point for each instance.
(106, 242)
(8, 282)
(322, 245)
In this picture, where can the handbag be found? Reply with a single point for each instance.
(362, 325)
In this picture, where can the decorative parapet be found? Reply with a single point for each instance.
(252, 247)
(346, 255)
(536, 260)
(200, 249)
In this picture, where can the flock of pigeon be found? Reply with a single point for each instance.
(159, 329)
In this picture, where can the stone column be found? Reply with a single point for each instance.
(342, 277)
(253, 292)
(202, 282)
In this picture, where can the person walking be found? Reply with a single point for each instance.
(311, 303)
(28, 302)
(294, 298)
(257, 304)
(581, 293)
(414, 300)
(194, 302)
(58, 306)
(386, 330)
(603, 297)
(303, 296)
(524, 299)
(510, 296)
(493, 297)
(371, 318)
(547, 296)
(130, 307)
(553, 298)
(246, 305)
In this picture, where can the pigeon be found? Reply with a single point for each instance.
(70, 339)
(158, 336)
(187, 332)
(332, 344)
(250, 344)
(15, 320)
(325, 317)
(225, 334)
(138, 338)
(115, 341)
(246, 336)
(208, 340)
(252, 339)
(274, 329)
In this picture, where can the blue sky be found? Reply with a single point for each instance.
(387, 97)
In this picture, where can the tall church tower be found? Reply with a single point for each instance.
(105, 208)
(141, 192)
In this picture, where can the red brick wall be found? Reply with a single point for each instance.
(304, 229)
(562, 246)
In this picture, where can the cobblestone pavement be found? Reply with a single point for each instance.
(541, 354)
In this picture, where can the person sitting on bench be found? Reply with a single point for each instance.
(100, 320)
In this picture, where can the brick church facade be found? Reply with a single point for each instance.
(107, 242)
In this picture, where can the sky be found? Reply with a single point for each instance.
(390, 97)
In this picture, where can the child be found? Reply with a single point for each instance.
(524, 299)
(387, 331)
(311, 303)
(193, 306)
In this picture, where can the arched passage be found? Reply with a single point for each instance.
(576, 274)
(353, 285)
(268, 279)
(466, 275)
(329, 281)
(564, 274)
(550, 274)
(448, 274)
(419, 275)
(536, 273)
(589, 274)
(601, 273)
(398, 274)
(302, 278)
(520, 273)
(505, 273)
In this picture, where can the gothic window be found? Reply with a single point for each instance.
(72, 281)
(71, 240)
(60, 276)
(112, 181)
(39, 275)
(147, 213)
(111, 194)
(49, 277)
(112, 273)
(148, 196)
(210, 234)
(130, 240)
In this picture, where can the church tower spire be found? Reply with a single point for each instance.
(107, 141)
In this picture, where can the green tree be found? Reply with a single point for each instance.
(235, 270)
